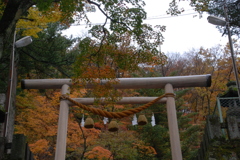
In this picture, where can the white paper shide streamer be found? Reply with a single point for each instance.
(82, 122)
(153, 120)
(134, 121)
(105, 120)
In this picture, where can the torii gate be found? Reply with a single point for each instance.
(124, 83)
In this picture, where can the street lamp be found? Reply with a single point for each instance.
(23, 42)
(221, 22)
(12, 76)
(216, 21)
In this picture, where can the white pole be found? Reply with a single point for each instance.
(62, 126)
(173, 125)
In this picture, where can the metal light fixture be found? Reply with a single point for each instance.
(216, 21)
(23, 42)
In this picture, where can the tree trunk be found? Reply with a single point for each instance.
(12, 13)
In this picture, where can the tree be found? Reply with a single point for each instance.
(49, 55)
(215, 61)
(35, 21)
(124, 145)
(158, 136)
(99, 152)
(37, 118)
(112, 58)
(216, 8)
(122, 17)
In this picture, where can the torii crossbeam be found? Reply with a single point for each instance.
(124, 83)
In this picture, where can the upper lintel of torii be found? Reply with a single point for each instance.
(127, 83)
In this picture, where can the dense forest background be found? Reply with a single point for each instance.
(37, 111)
(128, 48)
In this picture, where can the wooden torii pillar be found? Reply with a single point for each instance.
(124, 83)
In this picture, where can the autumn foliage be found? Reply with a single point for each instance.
(37, 119)
(216, 61)
(126, 48)
(36, 20)
(99, 153)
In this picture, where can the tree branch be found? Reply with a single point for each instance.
(29, 19)
(83, 136)
(48, 62)
(107, 16)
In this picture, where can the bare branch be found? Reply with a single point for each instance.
(107, 16)
(84, 138)
(84, 142)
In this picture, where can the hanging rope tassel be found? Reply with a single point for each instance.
(142, 120)
(153, 122)
(89, 123)
(113, 126)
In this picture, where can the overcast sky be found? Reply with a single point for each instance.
(183, 32)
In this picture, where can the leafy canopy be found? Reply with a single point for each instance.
(216, 8)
